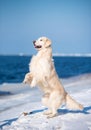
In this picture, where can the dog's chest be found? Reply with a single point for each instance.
(40, 66)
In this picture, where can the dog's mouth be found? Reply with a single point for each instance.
(37, 46)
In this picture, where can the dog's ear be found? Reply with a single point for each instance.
(48, 43)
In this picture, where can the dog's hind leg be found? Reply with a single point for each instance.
(45, 102)
(55, 102)
(47, 112)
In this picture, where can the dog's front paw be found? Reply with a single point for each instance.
(28, 78)
(33, 83)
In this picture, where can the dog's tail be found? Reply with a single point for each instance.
(72, 104)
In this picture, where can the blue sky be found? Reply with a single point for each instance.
(66, 22)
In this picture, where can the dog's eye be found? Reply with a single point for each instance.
(40, 39)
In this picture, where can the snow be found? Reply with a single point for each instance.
(18, 98)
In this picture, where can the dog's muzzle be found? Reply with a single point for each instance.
(36, 46)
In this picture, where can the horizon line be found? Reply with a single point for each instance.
(54, 54)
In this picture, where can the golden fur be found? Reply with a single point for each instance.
(42, 73)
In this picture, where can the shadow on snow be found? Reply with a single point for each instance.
(60, 111)
(65, 111)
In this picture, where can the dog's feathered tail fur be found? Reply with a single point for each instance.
(72, 104)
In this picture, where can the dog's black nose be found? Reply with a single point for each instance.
(34, 42)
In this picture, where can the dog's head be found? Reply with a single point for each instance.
(42, 43)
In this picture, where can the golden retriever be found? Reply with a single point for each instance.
(43, 74)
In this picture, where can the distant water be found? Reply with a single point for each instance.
(14, 68)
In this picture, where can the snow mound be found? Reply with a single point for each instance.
(12, 107)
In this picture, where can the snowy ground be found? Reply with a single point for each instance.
(16, 99)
